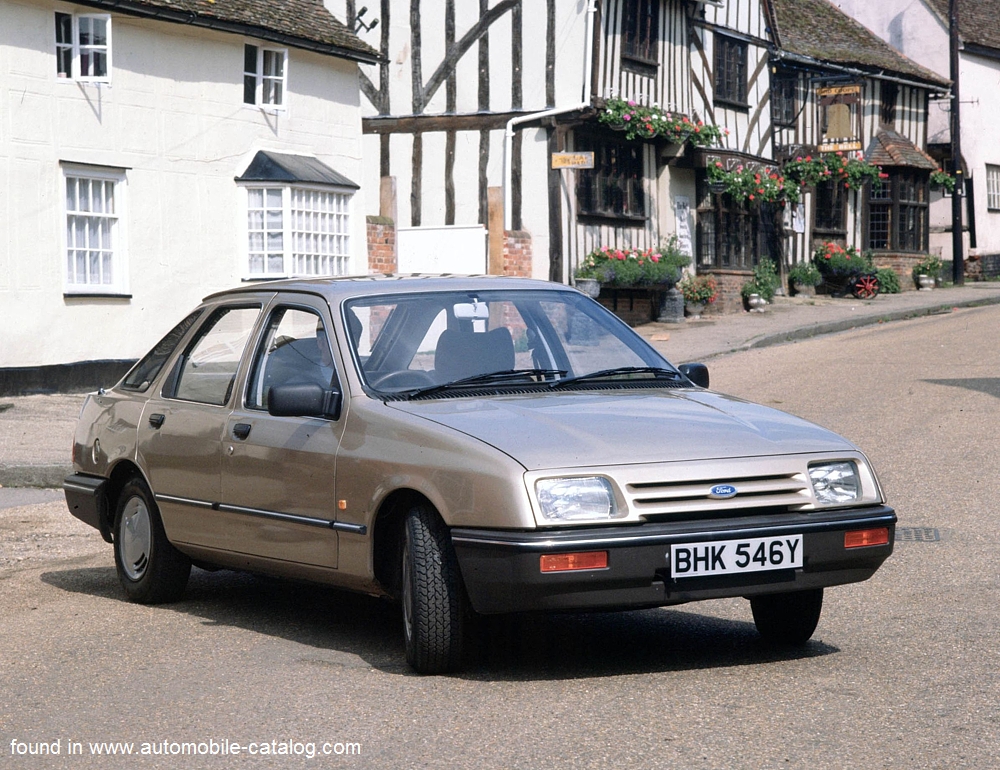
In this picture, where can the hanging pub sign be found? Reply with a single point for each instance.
(840, 118)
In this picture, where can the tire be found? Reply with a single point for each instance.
(432, 595)
(787, 619)
(149, 568)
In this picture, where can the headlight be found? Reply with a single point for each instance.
(578, 499)
(835, 483)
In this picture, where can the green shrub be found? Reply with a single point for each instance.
(764, 281)
(805, 274)
(888, 281)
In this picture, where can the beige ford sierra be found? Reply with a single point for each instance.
(467, 446)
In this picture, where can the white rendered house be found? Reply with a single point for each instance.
(153, 152)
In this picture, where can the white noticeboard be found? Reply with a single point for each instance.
(682, 215)
(455, 249)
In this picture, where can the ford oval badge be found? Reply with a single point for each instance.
(722, 491)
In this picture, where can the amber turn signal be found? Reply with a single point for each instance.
(567, 562)
(860, 538)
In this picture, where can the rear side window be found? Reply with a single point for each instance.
(143, 373)
(206, 372)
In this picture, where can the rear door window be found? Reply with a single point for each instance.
(206, 373)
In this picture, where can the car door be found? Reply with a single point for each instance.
(278, 473)
(181, 430)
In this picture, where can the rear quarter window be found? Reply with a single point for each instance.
(141, 376)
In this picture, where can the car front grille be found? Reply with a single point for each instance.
(664, 500)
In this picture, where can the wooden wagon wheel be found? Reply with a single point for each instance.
(865, 286)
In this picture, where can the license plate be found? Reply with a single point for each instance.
(734, 557)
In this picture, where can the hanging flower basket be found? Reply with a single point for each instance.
(639, 121)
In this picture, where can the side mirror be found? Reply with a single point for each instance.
(697, 373)
(304, 401)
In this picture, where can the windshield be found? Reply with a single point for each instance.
(418, 343)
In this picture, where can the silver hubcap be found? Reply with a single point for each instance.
(135, 538)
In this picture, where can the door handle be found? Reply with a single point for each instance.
(241, 430)
(156, 420)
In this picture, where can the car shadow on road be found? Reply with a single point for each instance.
(361, 631)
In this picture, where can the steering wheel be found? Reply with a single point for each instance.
(404, 379)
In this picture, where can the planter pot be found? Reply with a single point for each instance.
(589, 286)
(717, 187)
(756, 303)
(693, 310)
(635, 305)
(925, 282)
(803, 290)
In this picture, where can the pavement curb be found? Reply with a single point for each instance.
(37, 476)
(833, 327)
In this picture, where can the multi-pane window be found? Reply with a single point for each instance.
(94, 255)
(729, 232)
(83, 46)
(897, 212)
(640, 19)
(887, 104)
(992, 187)
(298, 231)
(264, 76)
(784, 106)
(614, 187)
(880, 215)
(730, 71)
(830, 207)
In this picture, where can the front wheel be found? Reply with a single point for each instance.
(787, 619)
(432, 595)
(149, 568)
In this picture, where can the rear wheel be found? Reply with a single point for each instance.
(432, 595)
(150, 569)
(787, 619)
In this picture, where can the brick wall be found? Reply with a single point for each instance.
(729, 300)
(902, 264)
(517, 253)
(381, 245)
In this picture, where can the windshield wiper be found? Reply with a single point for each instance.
(488, 378)
(620, 371)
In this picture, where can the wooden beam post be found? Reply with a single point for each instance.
(387, 198)
(494, 198)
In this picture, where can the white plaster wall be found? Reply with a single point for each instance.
(173, 117)
(980, 93)
(922, 35)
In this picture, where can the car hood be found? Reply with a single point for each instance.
(563, 430)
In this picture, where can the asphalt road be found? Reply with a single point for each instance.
(902, 672)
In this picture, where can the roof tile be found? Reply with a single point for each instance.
(820, 30)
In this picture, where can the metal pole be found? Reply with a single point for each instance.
(958, 255)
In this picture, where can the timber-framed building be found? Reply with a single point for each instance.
(478, 96)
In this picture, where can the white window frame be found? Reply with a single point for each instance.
(310, 239)
(85, 234)
(262, 80)
(992, 187)
(77, 49)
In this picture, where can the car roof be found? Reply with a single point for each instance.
(335, 289)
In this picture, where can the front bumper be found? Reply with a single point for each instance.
(502, 574)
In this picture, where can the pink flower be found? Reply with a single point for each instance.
(655, 257)
(631, 103)
(626, 116)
